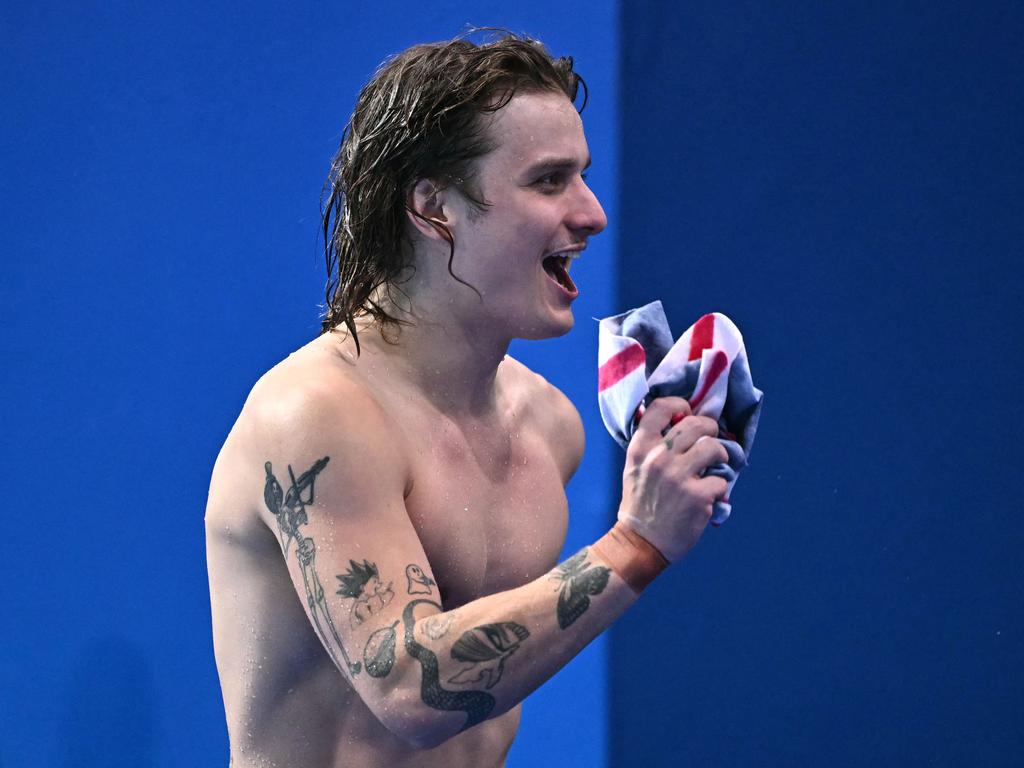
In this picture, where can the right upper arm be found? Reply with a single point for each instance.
(335, 478)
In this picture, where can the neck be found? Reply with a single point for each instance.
(452, 365)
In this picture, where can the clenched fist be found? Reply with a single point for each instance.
(664, 497)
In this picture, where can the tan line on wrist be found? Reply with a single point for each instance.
(631, 556)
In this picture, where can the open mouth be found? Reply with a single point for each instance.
(557, 267)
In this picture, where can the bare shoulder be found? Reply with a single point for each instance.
(554, 414)
(311, 404)
(316, 399)
(305, 393)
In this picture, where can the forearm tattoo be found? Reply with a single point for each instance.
(577, 581)
(486, 649)
(476, 704)
(290, 510)
(437, 626)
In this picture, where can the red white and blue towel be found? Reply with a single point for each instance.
(707, 365)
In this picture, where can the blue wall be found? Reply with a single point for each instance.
(161, 170)
(844, 180)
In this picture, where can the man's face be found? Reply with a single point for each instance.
(539, 206)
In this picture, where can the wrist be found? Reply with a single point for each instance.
(632, 557)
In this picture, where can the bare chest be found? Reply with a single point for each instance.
(490, 509)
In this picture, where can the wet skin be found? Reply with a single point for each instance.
(476, 451)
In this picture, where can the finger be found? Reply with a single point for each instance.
(706, 452)
(681, 438)
(676, 418)
(656, 419)
(716, 487)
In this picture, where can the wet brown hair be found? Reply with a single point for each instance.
(419, 117)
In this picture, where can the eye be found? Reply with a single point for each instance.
(555, 181)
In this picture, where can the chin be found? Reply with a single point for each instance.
(552, 329)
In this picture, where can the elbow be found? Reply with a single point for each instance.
(426, 737)
(405, 716)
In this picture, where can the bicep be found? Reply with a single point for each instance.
(336, 505)
(351, 551)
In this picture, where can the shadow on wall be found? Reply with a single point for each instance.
(110, 719)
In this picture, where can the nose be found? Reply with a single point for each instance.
(587, 216)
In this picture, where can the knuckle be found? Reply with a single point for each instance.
(670, 403)
(713, 449)
(657, 460)
(635, 452)
(708, 425)
(687, 484)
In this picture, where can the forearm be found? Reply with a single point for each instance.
(461, 667)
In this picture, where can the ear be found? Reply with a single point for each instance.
(426, 209)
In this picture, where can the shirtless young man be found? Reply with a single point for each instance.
(384, 519)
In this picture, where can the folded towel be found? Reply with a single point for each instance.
(707, 365)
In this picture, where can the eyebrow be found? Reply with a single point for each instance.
(556, 164)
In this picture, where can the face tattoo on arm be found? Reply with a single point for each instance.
(362, 583)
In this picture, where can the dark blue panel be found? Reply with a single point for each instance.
(845, 182)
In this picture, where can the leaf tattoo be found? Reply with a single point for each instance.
(379, 654)
(578, 581)
(486, 649)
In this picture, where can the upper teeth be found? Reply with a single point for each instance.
(567, 254)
